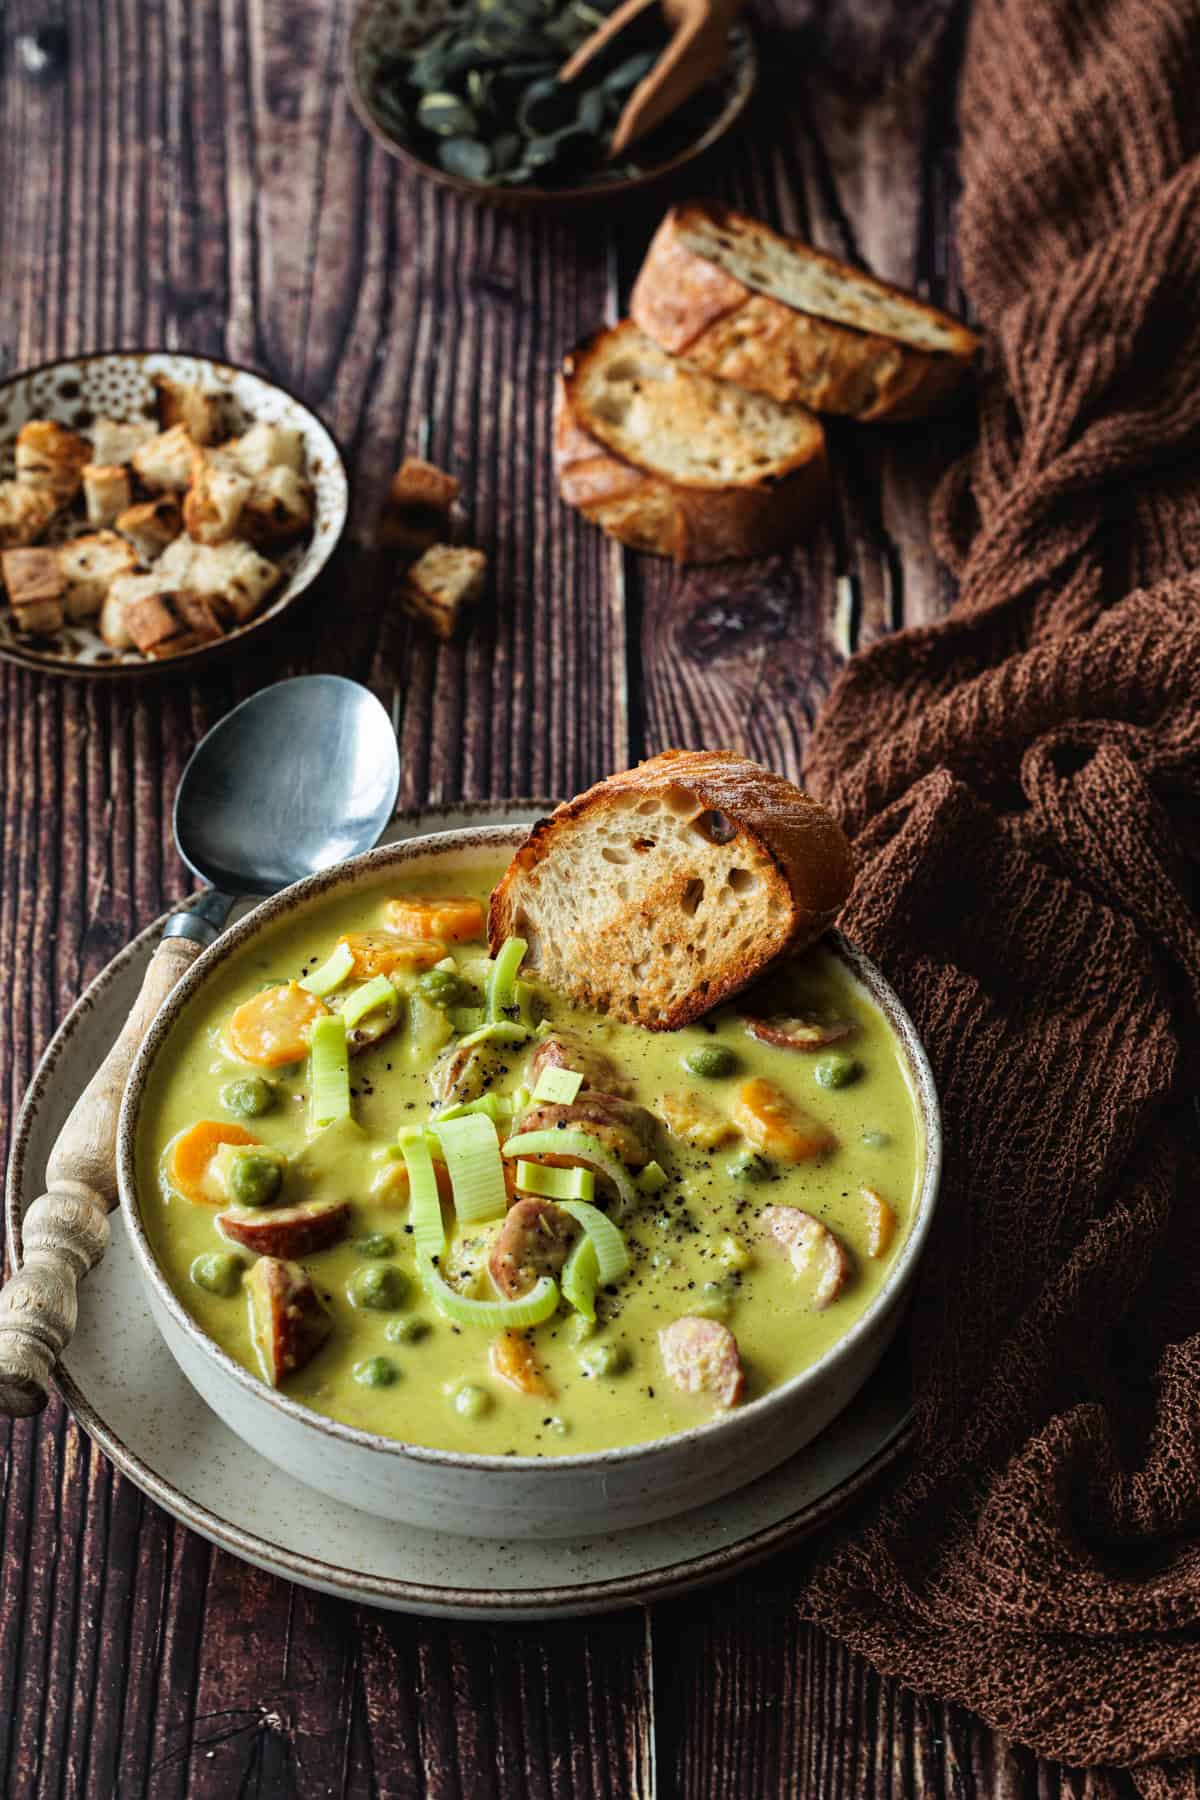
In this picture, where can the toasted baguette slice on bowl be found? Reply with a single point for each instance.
(746, 304)
(671, 461)
(662, 891)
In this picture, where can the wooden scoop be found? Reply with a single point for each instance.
(698, 49)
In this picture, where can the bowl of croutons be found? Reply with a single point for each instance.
(155, 508)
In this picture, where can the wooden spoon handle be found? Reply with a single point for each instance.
(65, 1233)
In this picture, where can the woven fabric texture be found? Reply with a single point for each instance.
(1022, 782)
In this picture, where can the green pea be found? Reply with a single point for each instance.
(376, 1243)
(376, 1371)
(255, 1180)
(712, 1061)
(748, 1165)
(442, 987)
(876, 1140)
(837, 1069)
(250, 1096)
(406, 1331)
(380, 1287)
(605, 1359)
(218, 1273)
(471, 1402)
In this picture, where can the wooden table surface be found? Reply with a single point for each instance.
(192, 176)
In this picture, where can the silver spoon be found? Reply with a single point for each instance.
(293, 780)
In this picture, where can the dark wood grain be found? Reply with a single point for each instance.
(194, 177)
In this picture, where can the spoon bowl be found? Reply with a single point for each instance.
(295, 779)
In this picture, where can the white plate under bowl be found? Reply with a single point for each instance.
(119, 384)
(129, 1395)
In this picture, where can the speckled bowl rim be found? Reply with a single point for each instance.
(549, 200)
(363, 870)
(45, 664)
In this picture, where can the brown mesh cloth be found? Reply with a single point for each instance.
(1023, 785)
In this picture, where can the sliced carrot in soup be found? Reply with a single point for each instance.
(455, 917)
(777, 1126)
(512, 1359)
(190, 1157)
(386, 952)
(273, 1027)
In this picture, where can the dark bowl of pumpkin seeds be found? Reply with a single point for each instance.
(467, 92)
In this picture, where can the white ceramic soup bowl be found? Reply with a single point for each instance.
(516, 1496)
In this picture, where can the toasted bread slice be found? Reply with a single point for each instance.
(670, 460)
(769, 312)
(660, 892)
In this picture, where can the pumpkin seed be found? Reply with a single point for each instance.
(479, 88)
(462, 57)
(467, 157)
(573, 146)
(627, 74)
(446, 115)
(592, 107)
(505, 151)
(428, 70)
(540, 153)
(547, 107)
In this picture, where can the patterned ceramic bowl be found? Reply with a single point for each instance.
(118, 384)
(383, 27)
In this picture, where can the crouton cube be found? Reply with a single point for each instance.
(115, 443)
(150, 621)
(123, 593)
(25, 513)
(51, 458)
(279, 508)
(234, 577)
(417, 512)
(420, 483)
(213, 504)
(199, 615)
(266, 447)
(151, 525)
(441, 584)
(106, 492)
(201, 413)
(35, 588)
(89, 565)
(177, 561)
(177, 646)
(164, 463)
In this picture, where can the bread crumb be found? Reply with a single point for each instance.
(441, 584)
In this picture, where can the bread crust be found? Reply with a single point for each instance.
(649, 511)
(811, 862)
(694, 309)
